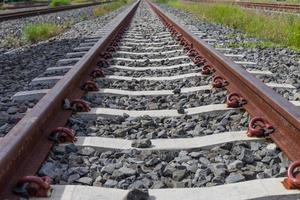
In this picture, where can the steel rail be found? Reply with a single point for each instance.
(270, 6)
(26, 146)
(262, 100)
(34, 12)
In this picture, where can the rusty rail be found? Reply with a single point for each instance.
(41, 11)
(25, 147)
(269, 6)
(262, 101)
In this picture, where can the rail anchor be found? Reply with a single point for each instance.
(33, 186)
(97, 73)
(219, 82)
(293, 179)
(259, 127)
(235, 100)
(63, 135)
(90, 86)
(79, 105)
(207, 70)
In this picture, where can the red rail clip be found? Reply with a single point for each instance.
(292, 181)
(188, 47)
(234, 100)
(259, 127)
(184, 42)
(192, 52)
(79, 105)
(198, 60)
(207, 69)
(29, 186)
(179, 37)
(63, 135)
(219, 82)
(90, 86)
(97, 73)
(111, 49)
(114, 44)
(106, 55)
(102, 63)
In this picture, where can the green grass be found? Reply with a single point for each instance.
(41, 31)
(55, 3)
(280, 29)
(106, 8)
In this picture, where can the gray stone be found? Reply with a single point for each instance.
(271, 148)
(110, 183)
(196, 154)
(158, 185)
(127, 171)
(51, 170)
(235, 165)
(234, 178)
(152, 162)
(85, 181)
(178, 175)
(108, 168)
(73, 178)
(138, 194)
(141, 143)
(86, 151)
(71, 148)
(246, 156)
(204, 161)
(218, 169)
(162, 134)
(168, 171)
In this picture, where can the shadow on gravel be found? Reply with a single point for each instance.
(19, 67)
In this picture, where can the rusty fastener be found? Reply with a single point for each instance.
(198, 60)
(63, 135)
(179, 38)
(188, 47)
(90, 86)
(106, 55)
(292, 181)
(33, 186)
(207, 69)
(79, 105)
(192, 53)
(97, 73)
(111, 49)
(102, 63)
(114, 44)
(219, 82)
(183, 42)
(259, 127)
(235, 100)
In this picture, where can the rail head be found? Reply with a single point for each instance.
(262, 100)
(25, 147)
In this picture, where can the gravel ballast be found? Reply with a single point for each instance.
(20, 66)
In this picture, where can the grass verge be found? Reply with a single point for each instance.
(41, 31)
(109, 7)
(55, 3)
(280, 29)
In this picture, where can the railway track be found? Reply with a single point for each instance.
(148, 105)
(43, 10)
(272, 6)
(293, 8)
